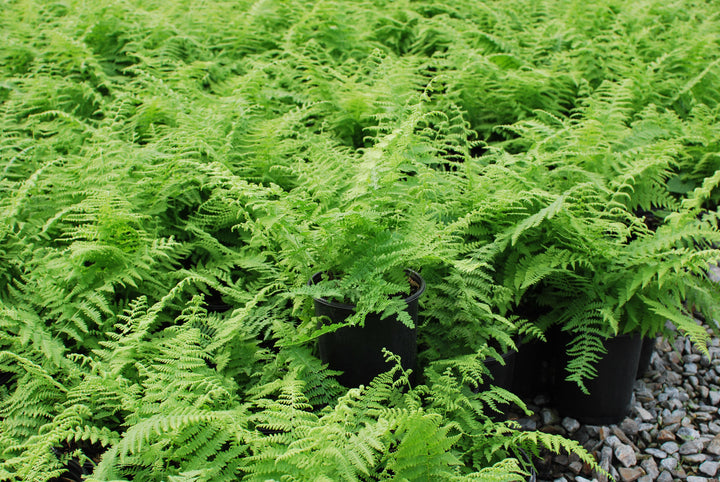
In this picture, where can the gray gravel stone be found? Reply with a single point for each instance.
(691, 358)
(605, 458)
(626, 455)
(670, 447)
(647, 427)
(665, 476)
(657, 453)
(714, 446)
(691, 447)
(527, 423)
(612, 441)
(714, 397)
(709, 468)
(695, 478)
(630, 427)
(687, 433)
(703, 407)
(549, 417)
(570, 424)
(650, 467)
(695, 458)
(673, 417)
(669, 463)
(576, 467)
(704, 391)
(623, 438)
(630, 474)
(643, 394)
(644, 415)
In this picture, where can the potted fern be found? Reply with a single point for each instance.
(366, 292)
(605, 292)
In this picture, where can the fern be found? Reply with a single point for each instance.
(154, 157)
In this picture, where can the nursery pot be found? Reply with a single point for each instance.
(535, 358)
(610, 392)
(357, 350)
(646, 351)
(501, 374)
(534, 366)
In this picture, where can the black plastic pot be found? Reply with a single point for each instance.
(610, 392)
(646, 351)
(357, 351)
(501, 375)
(534, 372)
(535, 360)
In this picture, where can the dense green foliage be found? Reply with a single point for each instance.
(540, 163)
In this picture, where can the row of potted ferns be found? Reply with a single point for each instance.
(535, 367)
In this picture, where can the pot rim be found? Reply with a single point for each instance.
(335, 304)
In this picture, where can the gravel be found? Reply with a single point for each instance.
(671, 434)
